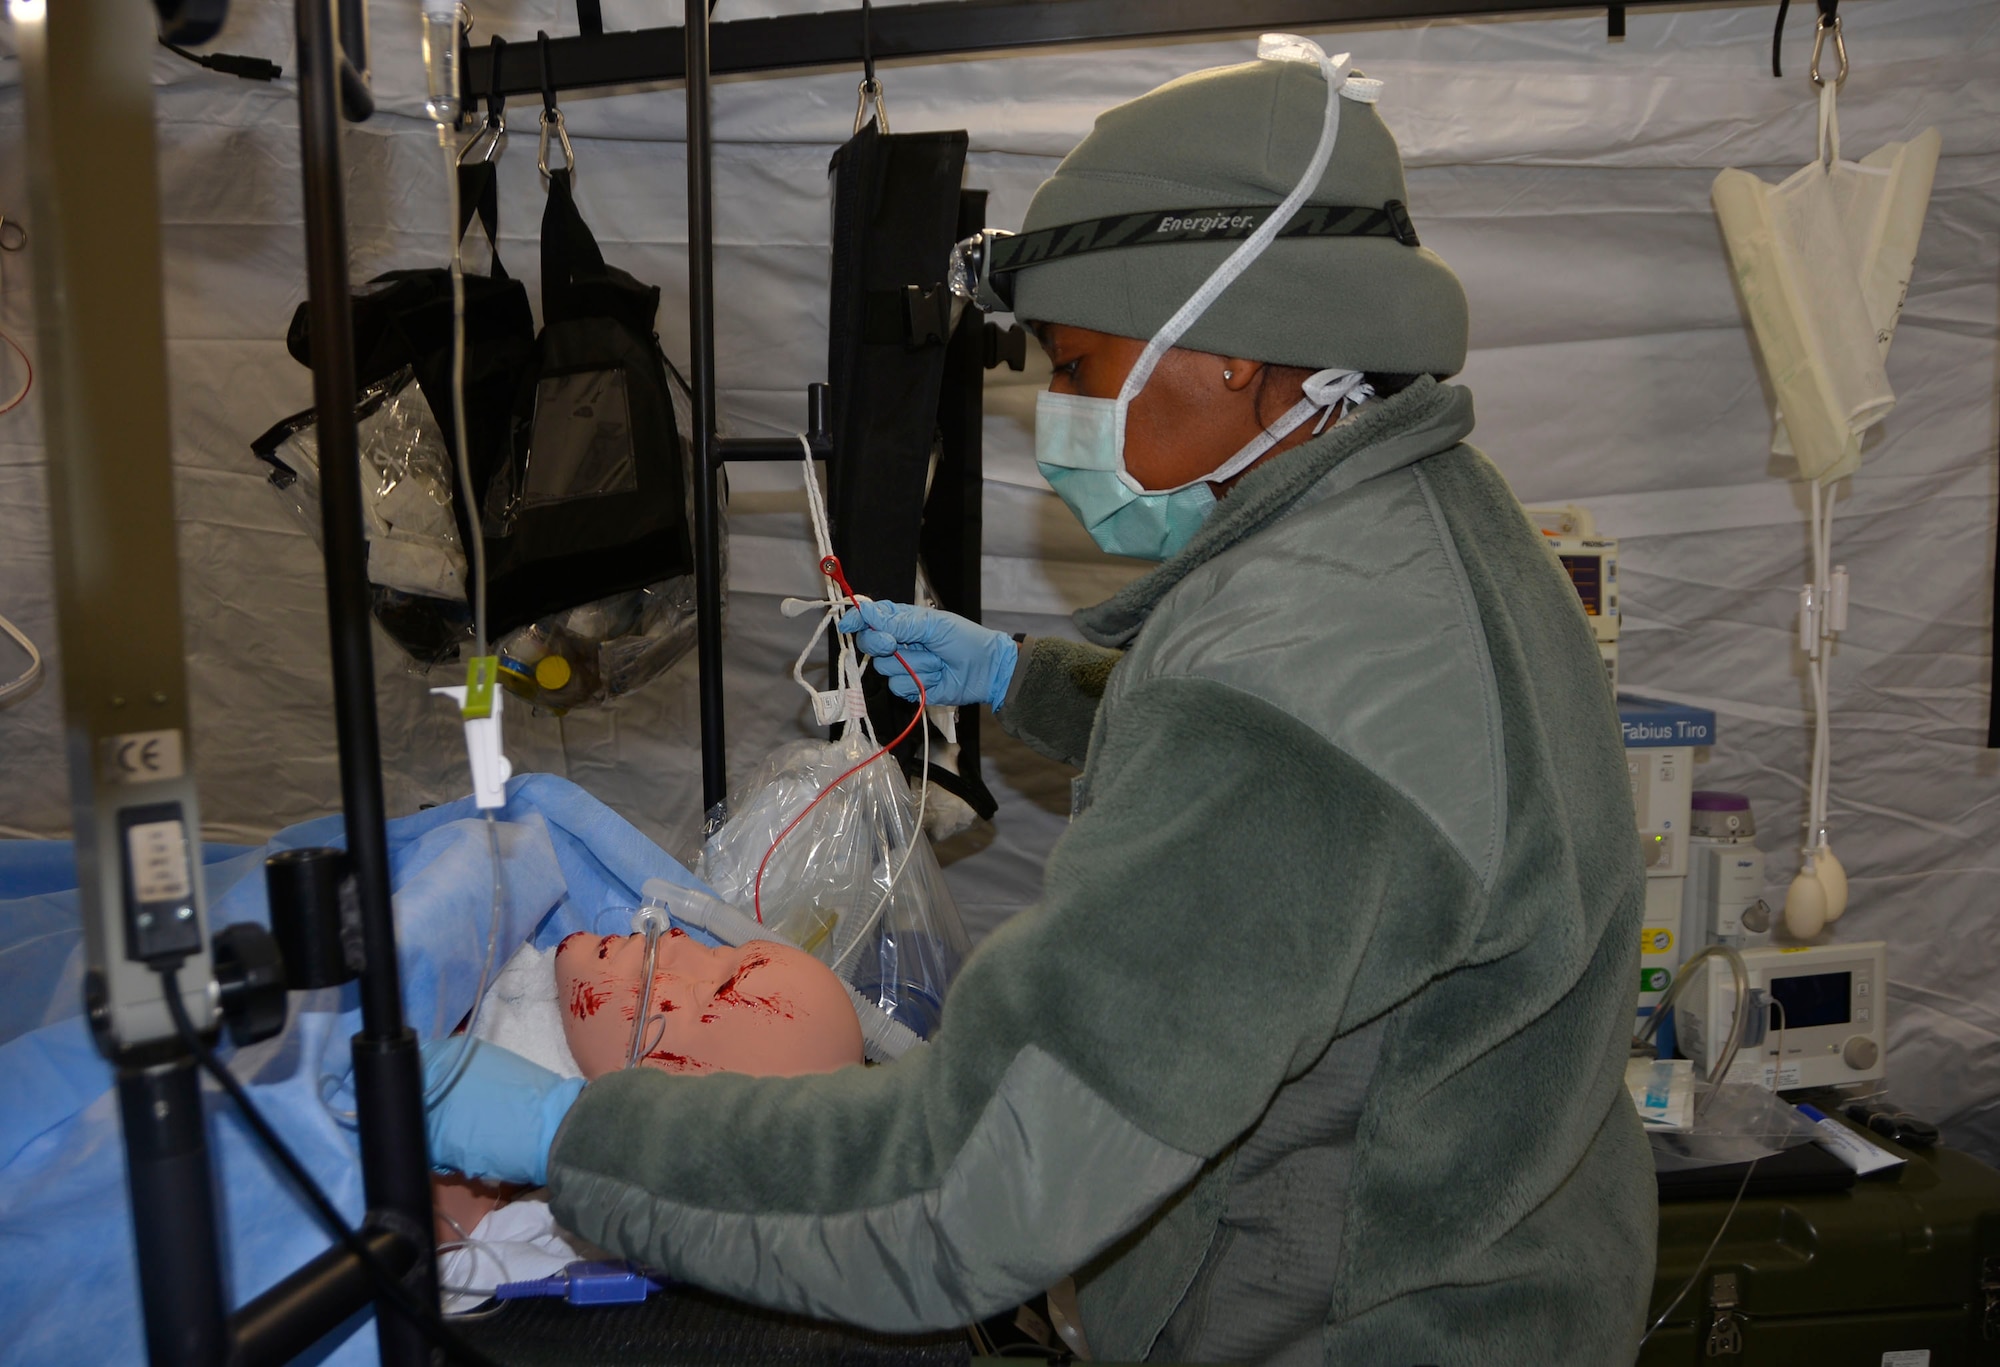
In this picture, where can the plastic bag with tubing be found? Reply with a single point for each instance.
(586, 655)
(1823, 259)
(855, 883)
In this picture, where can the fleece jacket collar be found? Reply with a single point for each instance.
(1420, 421)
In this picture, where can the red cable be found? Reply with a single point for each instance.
(831, 568)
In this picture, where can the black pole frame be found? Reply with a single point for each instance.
(388, 1069)
(941, 28)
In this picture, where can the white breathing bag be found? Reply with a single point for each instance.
(1823, 259)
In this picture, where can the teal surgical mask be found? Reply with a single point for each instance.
(1080, 441)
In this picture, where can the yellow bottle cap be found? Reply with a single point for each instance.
(552, 672)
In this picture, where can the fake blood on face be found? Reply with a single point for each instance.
(585, 1000)
(731, 992)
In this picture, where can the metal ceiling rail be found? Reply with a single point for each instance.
(942, 28)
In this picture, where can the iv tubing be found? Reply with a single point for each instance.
(475, 548)
(25, 683)
(476, 553)
(19, 396)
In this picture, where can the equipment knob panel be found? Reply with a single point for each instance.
(1860, 1053)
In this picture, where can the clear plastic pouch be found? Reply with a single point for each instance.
(854, 882)
(1738, 1123)
(406, 476)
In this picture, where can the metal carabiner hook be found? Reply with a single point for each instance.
(870, 88)
(493, 133)
(1839, 50)
(553, 118)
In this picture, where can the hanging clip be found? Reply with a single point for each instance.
(1829, 24)
(870, 89)
(494, 132)
(552, 118)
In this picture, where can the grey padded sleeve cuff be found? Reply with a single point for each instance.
(1053, 697)
(1048, 1176)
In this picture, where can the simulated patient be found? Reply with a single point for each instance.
(766, 1009)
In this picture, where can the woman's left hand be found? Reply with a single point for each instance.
(499, 1117)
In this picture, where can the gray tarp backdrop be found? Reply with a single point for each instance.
(1564, 176)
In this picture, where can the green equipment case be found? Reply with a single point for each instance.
(1900, 1270)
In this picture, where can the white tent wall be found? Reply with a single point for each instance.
(1566, 178)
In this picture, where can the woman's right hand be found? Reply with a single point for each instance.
(958, 661)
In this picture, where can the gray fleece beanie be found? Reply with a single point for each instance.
(1242, 135)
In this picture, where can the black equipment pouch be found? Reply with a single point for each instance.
(895, 219)
(403, 321)
(592, 499)
(403, 318)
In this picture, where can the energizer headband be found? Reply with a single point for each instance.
(987, 263)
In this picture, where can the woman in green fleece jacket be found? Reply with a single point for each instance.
(1313, 1049)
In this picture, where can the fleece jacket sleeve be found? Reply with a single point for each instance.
(1202, 926)
(1052, 700)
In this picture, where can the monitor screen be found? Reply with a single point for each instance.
(1816, 999)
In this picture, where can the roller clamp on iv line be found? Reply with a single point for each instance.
(479, 705)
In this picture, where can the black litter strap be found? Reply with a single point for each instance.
(496, 98)
(590, 17)
(1225, 223)
(867, 45)
(479, 193)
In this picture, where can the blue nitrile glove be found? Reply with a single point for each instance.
(958, 661)
(501, 1115)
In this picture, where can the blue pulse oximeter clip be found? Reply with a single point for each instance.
(587, 1283)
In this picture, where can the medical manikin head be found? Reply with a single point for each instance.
(764, 1008)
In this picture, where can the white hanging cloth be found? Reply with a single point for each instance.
(1823, 261)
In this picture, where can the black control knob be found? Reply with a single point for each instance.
(250, 975)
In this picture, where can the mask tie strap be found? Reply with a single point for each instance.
(1245, 255)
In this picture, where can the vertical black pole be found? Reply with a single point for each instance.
(388, 1070)
(701, 368)
(173, 1214)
